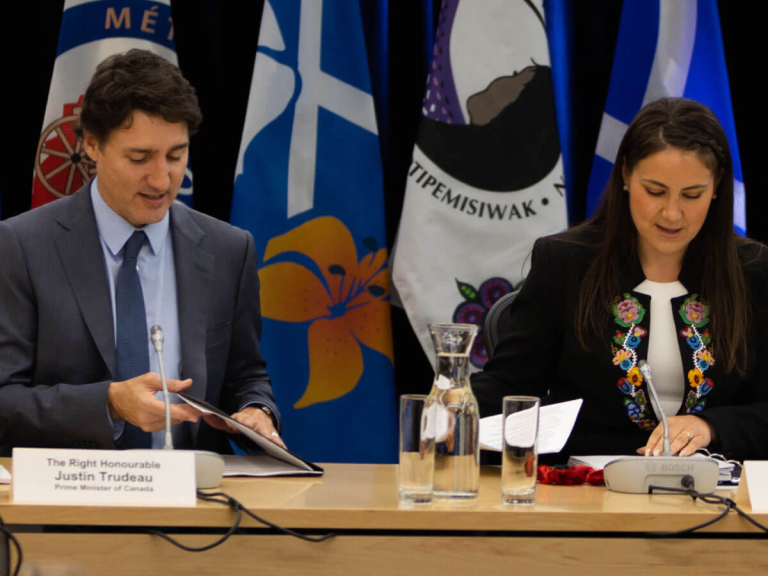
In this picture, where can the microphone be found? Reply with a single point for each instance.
(634, 474)
(209, 466)
(645, 370)
(156, 335)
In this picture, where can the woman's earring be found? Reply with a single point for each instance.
(626, 187)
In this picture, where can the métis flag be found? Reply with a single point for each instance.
(665, 49)
(308, 186)
(92, 30)
(486, 179)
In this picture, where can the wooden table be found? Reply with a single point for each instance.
(570, 530)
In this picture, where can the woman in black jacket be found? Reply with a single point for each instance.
(661, 247)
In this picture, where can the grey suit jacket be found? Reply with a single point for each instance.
(57, 349)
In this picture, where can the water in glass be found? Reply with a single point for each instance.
(518, 475)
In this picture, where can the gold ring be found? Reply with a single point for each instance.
(690, 436)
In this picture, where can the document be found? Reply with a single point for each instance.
(595, 462)
(259, 465)
(5, 476)
(555, 424)
(276, 462)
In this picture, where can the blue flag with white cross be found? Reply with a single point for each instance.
(666, 49)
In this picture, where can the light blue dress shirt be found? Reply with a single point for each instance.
(158, 285)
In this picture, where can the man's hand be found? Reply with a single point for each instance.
(251, 416)
(134, 401)
(686, 435)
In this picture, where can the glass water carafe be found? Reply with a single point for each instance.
(453, 418)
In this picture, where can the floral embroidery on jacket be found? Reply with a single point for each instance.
(696, 315)
(628, 313)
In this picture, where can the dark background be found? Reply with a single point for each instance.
(216, 45)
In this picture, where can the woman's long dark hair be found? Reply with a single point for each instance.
(686, 125)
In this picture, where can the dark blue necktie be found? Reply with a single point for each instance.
(132, 339)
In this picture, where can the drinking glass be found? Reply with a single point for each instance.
(417, 451)
(520, 434)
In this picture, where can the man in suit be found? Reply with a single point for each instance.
(83, 278)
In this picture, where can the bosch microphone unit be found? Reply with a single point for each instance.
(635, 474)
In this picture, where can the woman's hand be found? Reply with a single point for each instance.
(686, 435)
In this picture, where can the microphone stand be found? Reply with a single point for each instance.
(645, 370)
(156, 334)
(209, 466)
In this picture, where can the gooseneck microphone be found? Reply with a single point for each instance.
(636, 474)
(156, 335)
(645, 370)
(209, 466)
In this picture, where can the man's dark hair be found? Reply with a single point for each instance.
(137, 80)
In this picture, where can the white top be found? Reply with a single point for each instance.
(663, 351)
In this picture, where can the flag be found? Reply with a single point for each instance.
(92, 30)
(558, 15)
(308, 186)
(486, 177)
(666, 49)
(375, 15)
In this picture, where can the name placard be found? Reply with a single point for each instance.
(108, 477)
(753, 486)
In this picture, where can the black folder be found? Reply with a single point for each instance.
(276, 460)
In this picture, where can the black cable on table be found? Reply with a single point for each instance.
(228, 500)
(709, 499)
(186, 548)
(238, 506)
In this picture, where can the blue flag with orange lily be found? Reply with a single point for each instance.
(308, 186)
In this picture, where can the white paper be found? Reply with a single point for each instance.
(756, 473)
(438, 422)
(520, 429)
(555, 424)
(443, 382)
(596, 462)
(258, 465)
(5, 476)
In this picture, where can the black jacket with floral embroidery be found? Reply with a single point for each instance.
(539, 355)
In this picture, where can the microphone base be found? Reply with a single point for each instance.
(634, 474)
(209, 469)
